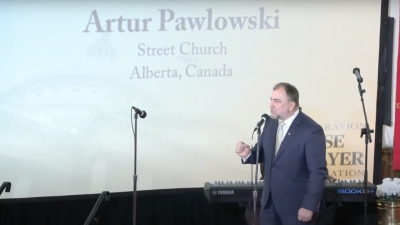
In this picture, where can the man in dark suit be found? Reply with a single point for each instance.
(293, 150)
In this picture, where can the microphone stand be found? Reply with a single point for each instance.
(255, 191)
(134, 168)
(367, 132)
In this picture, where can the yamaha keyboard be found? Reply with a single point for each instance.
(334, 191)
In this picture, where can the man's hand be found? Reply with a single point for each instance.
(242, 149)
(305, 215)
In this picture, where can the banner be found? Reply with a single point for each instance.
(202, 70)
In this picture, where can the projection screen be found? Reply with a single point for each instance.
(202, 70)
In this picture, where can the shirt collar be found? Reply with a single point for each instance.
(290, 120)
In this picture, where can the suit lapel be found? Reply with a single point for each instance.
(270, 133)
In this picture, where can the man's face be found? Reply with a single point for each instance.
(281, 107)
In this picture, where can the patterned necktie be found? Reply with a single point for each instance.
(279, 136)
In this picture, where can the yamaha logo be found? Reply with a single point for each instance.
(226, 192)
(223, 192)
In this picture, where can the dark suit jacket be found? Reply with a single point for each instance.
(295, 177)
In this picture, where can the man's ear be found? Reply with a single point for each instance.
(292, 105)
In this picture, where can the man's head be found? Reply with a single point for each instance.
(284, 101)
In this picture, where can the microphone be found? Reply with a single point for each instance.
(142, 113)
(264, 118)
(356, 71)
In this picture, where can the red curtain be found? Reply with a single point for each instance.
(396, 137)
